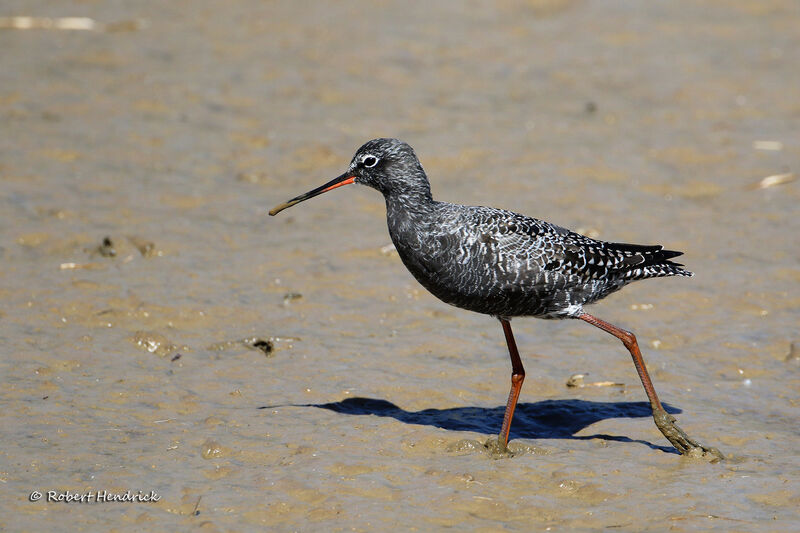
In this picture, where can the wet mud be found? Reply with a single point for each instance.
(160, 333)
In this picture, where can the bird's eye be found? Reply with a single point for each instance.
(369, 161)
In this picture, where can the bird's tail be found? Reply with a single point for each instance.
(643, 261)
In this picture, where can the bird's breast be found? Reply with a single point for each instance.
(465, 269)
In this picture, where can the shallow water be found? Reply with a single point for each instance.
(130, 365)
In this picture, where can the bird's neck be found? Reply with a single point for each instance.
(408, 215)
(410, 202)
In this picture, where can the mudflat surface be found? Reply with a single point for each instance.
(288, 373)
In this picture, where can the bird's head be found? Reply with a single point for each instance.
(387, 165)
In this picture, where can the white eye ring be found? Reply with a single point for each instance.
(369, 161)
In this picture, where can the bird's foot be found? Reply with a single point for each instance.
(497, 448)
(682, 442)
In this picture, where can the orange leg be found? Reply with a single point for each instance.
(664, 421)
(517, 377)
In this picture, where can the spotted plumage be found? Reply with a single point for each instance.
(494, 261)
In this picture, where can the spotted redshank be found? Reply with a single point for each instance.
(506, 265)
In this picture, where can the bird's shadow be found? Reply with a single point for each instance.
(547, 419)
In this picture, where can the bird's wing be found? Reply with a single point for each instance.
(527, 246)
(589, 259)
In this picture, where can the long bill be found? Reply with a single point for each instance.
(344, 179)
